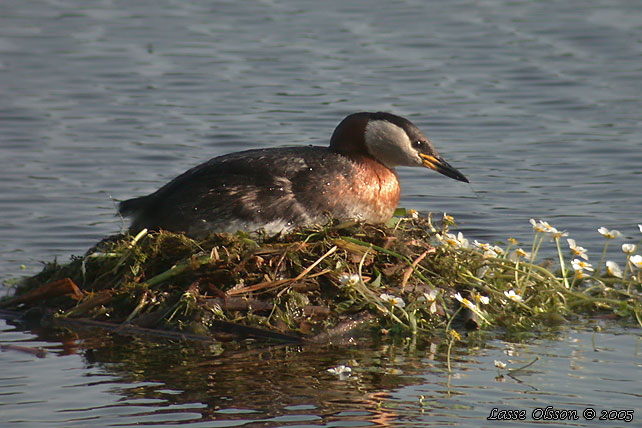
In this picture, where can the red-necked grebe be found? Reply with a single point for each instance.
(279, 188)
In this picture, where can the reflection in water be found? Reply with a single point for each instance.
(113, 379)
(259, 383)
(255, 382)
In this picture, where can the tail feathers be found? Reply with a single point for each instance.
(133, 207)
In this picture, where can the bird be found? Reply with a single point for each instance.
(278, 189)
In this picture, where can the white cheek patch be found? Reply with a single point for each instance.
(390, 145)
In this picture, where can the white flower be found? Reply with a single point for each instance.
(519, 253)
(609, 234)
(628, 248)
(579, 274)
(431, 298)
(470, 305)
(484, 300)
(500, 365)
(636, 261)
(489, 250)
(576, 249)
(482, 271)
(523, 254)
(455, 241)
(482, 245)
(448, 219)
(392, 300)
(490, 254)
(346, 279)
(465, 302)
(541, 226)
(613, 269)
(341, 370)
(580, 265)
(513, 296)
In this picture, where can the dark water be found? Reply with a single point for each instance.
(537, 102)
(92, 378)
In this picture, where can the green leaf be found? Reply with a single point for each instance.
(400, 212)
(376, 283)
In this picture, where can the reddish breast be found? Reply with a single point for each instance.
(371, 192)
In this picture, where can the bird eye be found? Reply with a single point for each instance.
(418, 144)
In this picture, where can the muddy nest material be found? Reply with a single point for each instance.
(408, 277)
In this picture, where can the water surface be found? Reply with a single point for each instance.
(538, 103)
(93, 377)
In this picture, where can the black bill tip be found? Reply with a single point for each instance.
(442, 167)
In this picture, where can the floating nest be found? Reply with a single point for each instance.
(409, 277)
